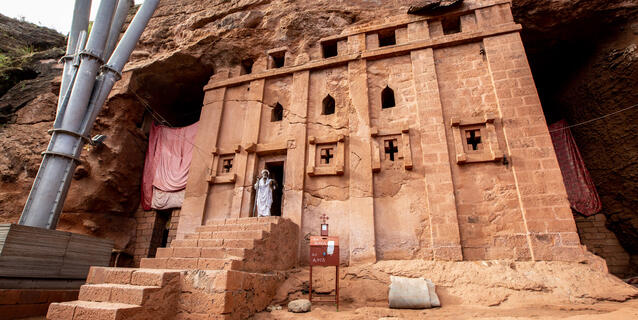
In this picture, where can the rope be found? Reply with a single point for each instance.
(596, 119)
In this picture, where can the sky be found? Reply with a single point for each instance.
(55, 14)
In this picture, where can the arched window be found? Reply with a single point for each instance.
(277, 113)
(328, 105)
(387, 98)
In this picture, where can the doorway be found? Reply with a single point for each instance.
(276, 169)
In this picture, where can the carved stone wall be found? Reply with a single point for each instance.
(420, 137)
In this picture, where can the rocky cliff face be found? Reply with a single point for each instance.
(583, 56)
(585, 62)
(105, 190)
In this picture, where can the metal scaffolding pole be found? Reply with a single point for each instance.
(79, 23)
(123, 7)
(78, 112)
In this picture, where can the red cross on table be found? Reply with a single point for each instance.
(324, 218)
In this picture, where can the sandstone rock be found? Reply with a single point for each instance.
(505, 283)
(272, 308)
(299, 306)
(433, 6)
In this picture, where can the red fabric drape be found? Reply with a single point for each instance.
(168, 160)
(581, 190)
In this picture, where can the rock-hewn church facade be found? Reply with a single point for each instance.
(419, 137)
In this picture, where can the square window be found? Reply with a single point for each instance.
(329, 49)
(247, 66)
(387, 38)
(451, 25)
(278, 59)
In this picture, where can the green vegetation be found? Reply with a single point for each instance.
(5, 61)
(25, 51)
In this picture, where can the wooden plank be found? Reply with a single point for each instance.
(35, 242)
(4, 231)
(41, 284)
(29, 267)
(31, 252)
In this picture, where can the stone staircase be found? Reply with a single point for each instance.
(225, 270)
(247, 244)
(121, 293)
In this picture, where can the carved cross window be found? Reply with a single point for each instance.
(326, 155)
(391, 147)
(227, 165)
(473, 139)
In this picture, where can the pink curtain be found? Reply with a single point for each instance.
(168, 159)
(581, 190)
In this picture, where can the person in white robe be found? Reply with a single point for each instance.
(263, 199)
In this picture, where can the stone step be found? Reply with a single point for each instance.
(117, 293)
(265, 226)
(200, 252)
(247, 234)
(91, 310)
(239, 243)
(132, 276)
(191, 263)
(214, 243)
(243, 220)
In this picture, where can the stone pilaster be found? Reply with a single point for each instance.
(297, 117)
(362, 239)
(551, 230)
(193, 207)
(245, 163)
(444, 226)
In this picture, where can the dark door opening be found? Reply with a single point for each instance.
(276, 170)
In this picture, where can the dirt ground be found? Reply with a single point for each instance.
(603, 310)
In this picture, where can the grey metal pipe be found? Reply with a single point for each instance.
(114, 67)
(132, 35)
(123, 7)
(80, 23)
(51, 184)
(74, 68)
